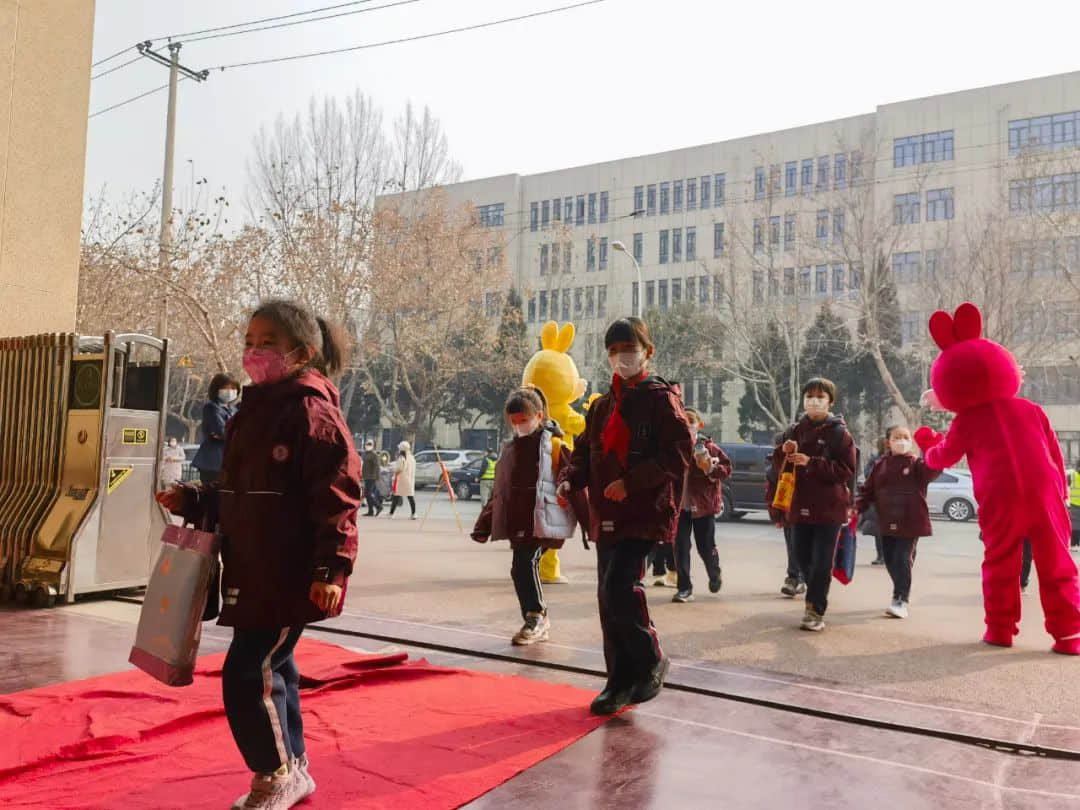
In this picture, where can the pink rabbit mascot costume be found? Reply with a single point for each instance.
(1018, 472)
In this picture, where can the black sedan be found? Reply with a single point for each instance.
(466, 481)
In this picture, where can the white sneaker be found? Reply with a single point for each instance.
(897, 610)
(305, 785)
(270, 791)
(536, 628)
(671, 580)
(812, 621)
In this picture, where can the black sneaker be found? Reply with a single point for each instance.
(646, 690)
(683, 596)
(715, 583)
(878, 561)
(613, 698)
(789, 587)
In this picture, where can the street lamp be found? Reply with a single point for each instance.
(619, 246)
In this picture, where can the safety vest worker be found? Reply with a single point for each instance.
(1074, 488)
(487, 477)
(489, 469)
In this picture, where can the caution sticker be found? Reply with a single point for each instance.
(136, 436)
(117, 475)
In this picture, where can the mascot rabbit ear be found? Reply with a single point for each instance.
(967, 323)
(566, 339)
(941, 329)
(549, 335)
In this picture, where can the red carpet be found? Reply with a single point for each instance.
(381, 732)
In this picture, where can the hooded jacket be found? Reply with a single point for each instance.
(659, 455)
(286, 503)
(824, 487)
(704, 493)
(897, 486)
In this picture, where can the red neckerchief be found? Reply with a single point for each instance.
(616, 433)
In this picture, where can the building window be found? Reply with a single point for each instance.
(556, 210)
(568, 217)
(603, 253)
(555, 304)
(639, 199)
(566, 304)
(791, 177)
(636, 296)
(774, 284)
(545, 214)
(590, 254)
(651, 204)
(676, 195)
(821, 280)
(490, 216)
(676, 291)
(706, 183)
(592, 208)
(663, 247)
(856, 168)
(838, 224)
(759, 182)
(556, 249)
(639, 247)
(1060, 131)
(661, 294)
(933, 147)
(906, 209)
(823, 173)
(804, 282)
(676, 244)
(703, 290)
(822, 226)
(718, 239)
(532, 309)
(543, 305)
(839, 171)
(579, 301)
(910, 327)
(855, 277)
(774, 179)
(717, 292)
(759, 286)
(939, 204)
(691, 294)
(759, 237)
(603, 206)
(691, 194)
(838, 275)
(807, 175)
(789, 231)
(601, 300)
(491, 304)
(789, 282)
(691, 243)
(935, 264)
(543, 260)
(774, 231)
(590, 302)
(568, 256)
(665, 198)
(650, 294)
(906, 267)
(720, 181)
(580, 219)
(534, 216)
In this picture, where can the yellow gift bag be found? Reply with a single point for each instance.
(785, 489)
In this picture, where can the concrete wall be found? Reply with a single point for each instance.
(45, 48)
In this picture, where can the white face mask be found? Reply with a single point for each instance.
(528, 429)
(172, 442)
(816, 406)
(627, 364)
(227, 395)
(900, 447)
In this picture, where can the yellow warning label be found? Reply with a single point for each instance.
(136, 436)
(117, 476)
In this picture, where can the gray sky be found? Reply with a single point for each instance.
(621, 78)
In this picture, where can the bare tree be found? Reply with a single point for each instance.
(421, 152)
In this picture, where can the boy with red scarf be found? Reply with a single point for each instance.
(633, 459)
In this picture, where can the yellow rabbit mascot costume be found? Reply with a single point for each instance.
(553, 371)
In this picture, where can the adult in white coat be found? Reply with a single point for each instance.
(404, 479)
(172, 464)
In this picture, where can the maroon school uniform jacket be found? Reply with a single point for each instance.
(897, 487)
(286, 503)
(704, 490)
(659, 455)
(823, 488)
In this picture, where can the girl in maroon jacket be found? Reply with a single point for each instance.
(822, 453)
(702, 500)
(896, 486)
(286, 504)
(632, 458)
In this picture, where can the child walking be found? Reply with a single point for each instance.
(632, 459)
(896, 487)
(822, 453)
(521, 507)
(702, 500)
(286, 503)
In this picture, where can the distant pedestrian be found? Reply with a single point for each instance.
(794, 580)
(404, 469)
(372, 471)
(868, 520)
(172, 464)
(487, 477)
(218, 410)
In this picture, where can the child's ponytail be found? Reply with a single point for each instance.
(331, 359)
(303, 328)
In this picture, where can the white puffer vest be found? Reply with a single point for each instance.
(550, 521)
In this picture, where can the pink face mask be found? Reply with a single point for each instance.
(265, 366)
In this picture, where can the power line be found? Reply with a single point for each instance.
(118, 67)
(474, 27)
(301, 22)
(264, 20)
(109, 58)
(133, 98)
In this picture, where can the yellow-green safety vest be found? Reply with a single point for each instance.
(1074, 488)
(489, 471)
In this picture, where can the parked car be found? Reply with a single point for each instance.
(466, 481)
(428, 472)
(744, 490)
(952, 495)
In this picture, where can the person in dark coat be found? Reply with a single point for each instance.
(822, 454)
(897, 488)
(372, 468)
(868, 521)
(702, 500)
(632, 459)
(794, 581)
(286, 505)
(218, 410)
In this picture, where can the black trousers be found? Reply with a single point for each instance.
(899, 555)
(261, 687)
(631, 645)
(815, 548)
(662, 559)
(793, 570)
(396, 502)
(371, 496)
(525, 572)
(879, 547)
(1025, 570)
(704, 530)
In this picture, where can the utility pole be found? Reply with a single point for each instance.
(165, 244)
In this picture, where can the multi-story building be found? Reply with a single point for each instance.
(968, 195)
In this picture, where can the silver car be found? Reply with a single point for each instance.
(952, 495)
(428, 472)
